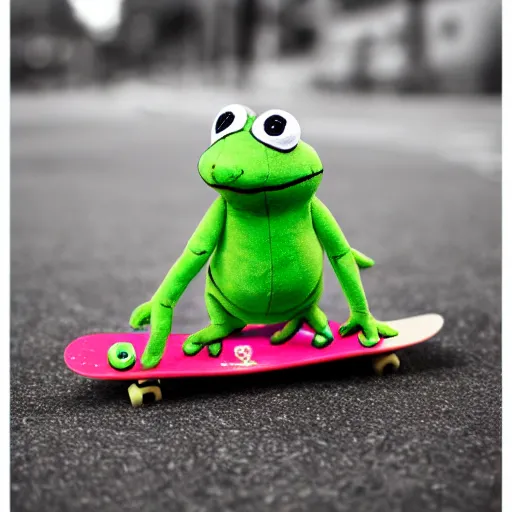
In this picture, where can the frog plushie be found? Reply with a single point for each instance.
(264, 238)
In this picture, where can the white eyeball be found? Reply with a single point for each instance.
(277, 129)
(229, 120)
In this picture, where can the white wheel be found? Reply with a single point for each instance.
(385, 363)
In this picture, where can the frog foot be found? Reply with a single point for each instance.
(191, 347)
(323, 339)
(210, 337)
(214, 349)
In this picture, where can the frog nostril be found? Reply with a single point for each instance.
(213, 166)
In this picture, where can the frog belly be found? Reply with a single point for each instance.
(267, 290)
(267, 268)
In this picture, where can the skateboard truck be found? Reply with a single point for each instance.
(144, 392)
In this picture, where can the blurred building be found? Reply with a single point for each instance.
(64, 41)
(430, 45)
(45, 39)
(137, 35)
(401, 45)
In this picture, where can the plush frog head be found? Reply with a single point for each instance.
(254, 161)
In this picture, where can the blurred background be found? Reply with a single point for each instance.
(411, 66)
(372, 45)
(111, 107)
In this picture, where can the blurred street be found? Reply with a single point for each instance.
(105, 193)
(464, 133)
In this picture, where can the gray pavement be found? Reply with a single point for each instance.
(105, 193)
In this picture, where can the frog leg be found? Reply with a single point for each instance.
(317, 320)
(222, 324)
(290, 329)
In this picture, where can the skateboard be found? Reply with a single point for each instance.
(248, 351)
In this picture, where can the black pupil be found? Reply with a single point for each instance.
(275, 125)
(123, 355)
(224, 120)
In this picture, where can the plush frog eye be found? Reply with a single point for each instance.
(277, 129)
(229, 120)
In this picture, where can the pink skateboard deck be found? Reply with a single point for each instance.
(247, 352)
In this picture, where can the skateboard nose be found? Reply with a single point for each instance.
(225, 175)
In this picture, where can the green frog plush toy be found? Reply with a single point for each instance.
(264, 238)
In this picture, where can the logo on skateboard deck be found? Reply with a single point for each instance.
(244, 354)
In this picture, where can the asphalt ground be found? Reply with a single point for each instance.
(104, 195)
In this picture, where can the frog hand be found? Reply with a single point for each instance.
(159, 315)
(371, 330)
(141, 316)
(362, 260)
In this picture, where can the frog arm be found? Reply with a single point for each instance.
(159, 310)
(340, 255)
(346, 269)
(197, 252)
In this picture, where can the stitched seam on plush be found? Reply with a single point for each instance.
(269, 239)
(271, 256)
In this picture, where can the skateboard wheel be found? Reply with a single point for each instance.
(386, 363)
(144, 392)
(121, 356)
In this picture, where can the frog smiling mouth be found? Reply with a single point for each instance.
(269, 188)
